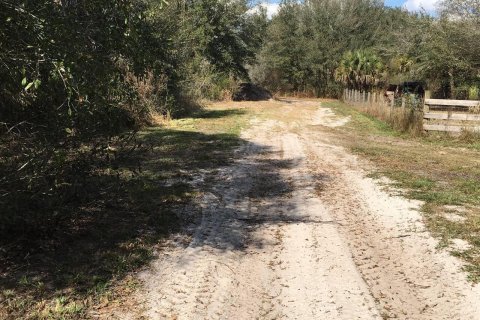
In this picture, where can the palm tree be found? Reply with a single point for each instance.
(361, 69)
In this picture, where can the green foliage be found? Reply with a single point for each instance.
(306, 41)
(210, 43)
(75, 75)
(315, 44)
(439, 51)
(361, 69)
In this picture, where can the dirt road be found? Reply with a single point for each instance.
(295, 230)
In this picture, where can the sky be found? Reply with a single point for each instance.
(411, 5)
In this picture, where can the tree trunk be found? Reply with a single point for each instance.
(452, 84)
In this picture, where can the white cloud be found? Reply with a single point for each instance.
(272, 8)
(416, 5)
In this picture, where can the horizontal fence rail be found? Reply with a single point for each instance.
(452, 103)
(452, 116)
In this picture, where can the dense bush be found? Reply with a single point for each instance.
(75, 74)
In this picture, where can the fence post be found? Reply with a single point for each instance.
(403, 102)
(426, 108)
(392, 105)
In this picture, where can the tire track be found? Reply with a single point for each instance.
(294, 230)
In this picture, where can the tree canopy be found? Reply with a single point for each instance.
(314, 46)
(75, 74)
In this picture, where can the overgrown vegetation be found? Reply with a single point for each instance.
(78, 79)
(404, 119)
(135, 201)
(77, 75)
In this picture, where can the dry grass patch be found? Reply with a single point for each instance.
(84, 266)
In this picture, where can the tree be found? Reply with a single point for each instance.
(306, 42)
(77, 74)
(361, 69)
(463, 9)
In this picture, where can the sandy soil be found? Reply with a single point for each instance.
(295, 230)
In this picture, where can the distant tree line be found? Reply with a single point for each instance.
(320, 46)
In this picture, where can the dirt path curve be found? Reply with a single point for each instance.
(294, 230)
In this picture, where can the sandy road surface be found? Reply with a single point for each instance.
(294, 230)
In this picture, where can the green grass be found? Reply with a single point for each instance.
(466, 140)
(439, 170)
(361, 122)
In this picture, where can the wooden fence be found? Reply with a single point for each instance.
(382, 100)
(452, 116)
(357, 97)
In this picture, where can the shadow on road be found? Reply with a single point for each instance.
(130, 206)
